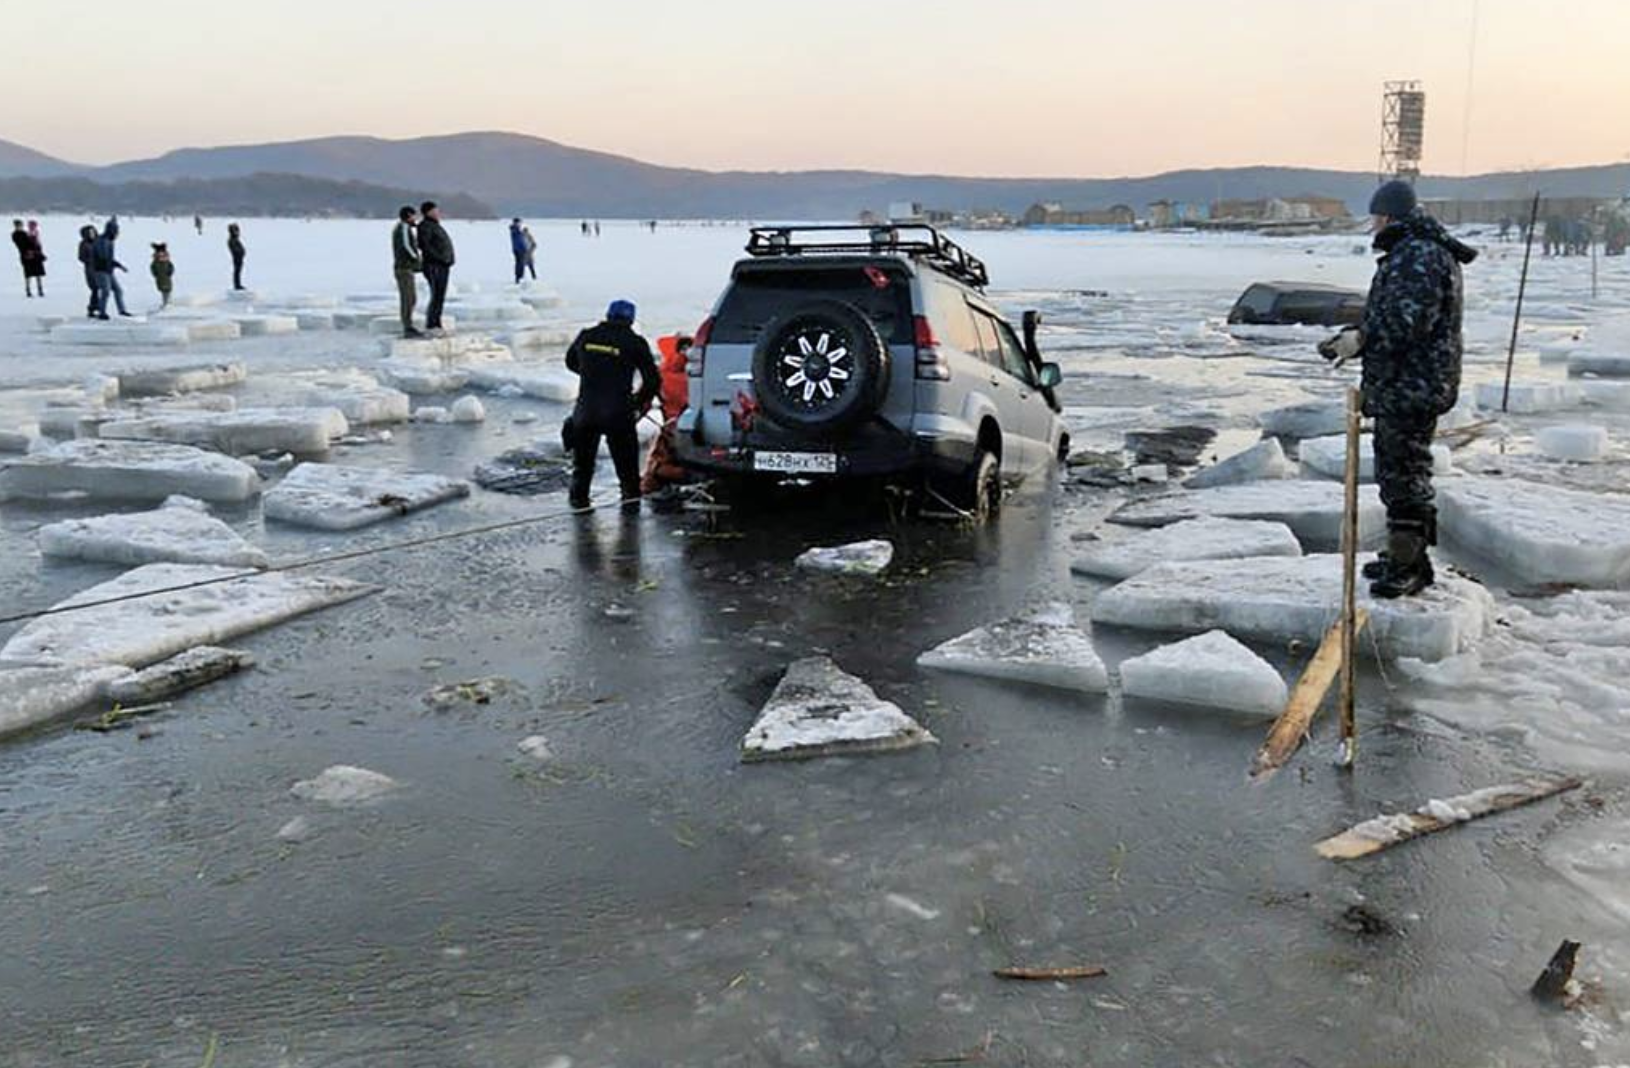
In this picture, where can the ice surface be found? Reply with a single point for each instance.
(866, 558)
(1311, 509)
(1275, 598)
(1312, 419)
(147, 629)
(330, 497)
(820, 710)
(121, 333)
(66, 423)
(1328, 457)
(196, 667)
(343, 784)
(179, 532)
(1043, 647)
(545, 381)
(1576, 443)
(128, 470)
(1542, 534)
(302, 431)
(158, 381)
(1528, 398)
(1264, 460)
(391, 324)
(1205, 538)
(1212, 670)
(490, 313)
(30, 697)
(468, 410)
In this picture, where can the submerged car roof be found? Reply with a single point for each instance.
(1309, 287)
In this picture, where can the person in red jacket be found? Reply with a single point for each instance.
(661, 469)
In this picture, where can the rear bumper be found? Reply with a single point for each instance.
(872, 451)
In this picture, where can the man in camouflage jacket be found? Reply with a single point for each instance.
(1410, 343)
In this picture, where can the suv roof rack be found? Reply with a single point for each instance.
(919, 241)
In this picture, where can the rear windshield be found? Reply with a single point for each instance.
(758, 297)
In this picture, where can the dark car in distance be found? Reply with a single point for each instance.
(1298, 304)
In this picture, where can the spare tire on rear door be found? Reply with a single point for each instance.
(821, 368)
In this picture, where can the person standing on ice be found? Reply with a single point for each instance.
(1410, 342)
(531, 252)
(436, 250)
(31, 254)
(105, 266)
(163, 269)
(606, 358)
(407, 264)
(517, 248)
(87, 243)
(234, 245)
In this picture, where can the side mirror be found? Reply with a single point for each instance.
(1051, 375)
(1032, 323)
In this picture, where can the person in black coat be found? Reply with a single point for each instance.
(606, 358)
(234, 245)
(87, 245)
(436, 252)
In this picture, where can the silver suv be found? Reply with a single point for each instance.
(851, 352)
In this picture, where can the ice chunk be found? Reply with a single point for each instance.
(453, 350)
(120, 333)
(1043, 647)
(344, 785)
(265, 325)
(1311, 509)
(213, 330)
(1275, 598)
(157, 381)
(1528, 398)
(388, 325)
(539, 337)
(101, 390)
(487, 313)
(1328, 457)
(1312, 419)
(32, 696)
(196, 667)
(1211, 670)
(62, 422)
(1264, 460)
(179, 532)
(431, 413)
(1155, 473)
(545, 381)
(314, 320)
(1542, 534)
(302, 431)
(537, 747)
(364, 405)
(145, 629)
(820, 710)
(1206, 538)
(422, 377)
(128, 470)
(1580, 444)
(859, 558)
(469, 410)
(1612, 396)
(330, 497)
(19, 437)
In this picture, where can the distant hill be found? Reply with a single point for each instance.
(533, 176)
(248, 196)
(17, 160)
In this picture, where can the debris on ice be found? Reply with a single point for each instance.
(196, 667)
(1327, 457)
(1205, 538)
(820, 710)
(1542, 534)
(1312, 509)
(181, 531)
(1043, 647)
(1311, 419)
(128, 470)
(331, 497)
(302, 431)
(1212, 670)
(865, 558)
(1576, 444)
(468, 410)
(1264, 460)
(33, 696)
(343, 784)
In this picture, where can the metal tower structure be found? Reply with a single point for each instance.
(1403, 129)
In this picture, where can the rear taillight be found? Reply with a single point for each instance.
(930, 364)
(697, 354)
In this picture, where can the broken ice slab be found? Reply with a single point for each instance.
(865, 558)
(1205, 538)
(820, 710)
(1528, 398)
(1264, 460)
(1542, 534)
(422, 378)
(468, 410)
(1311, 509)
(331, 497)
(364, 405)
(33, 696)
(302, 431)
(1575, 444)
(182, 531)
(1327, 457)
(121, 333)
(1601, 364)
(544, 381)
(1043, 647)
(266, 325)
(343, 784)
(128, 470)
(1612, 396)
(213, 330)
(314, 320)
(1312, 419)
(217, 605)
(196, 667)
(157, 381)
(1212, 670)
(453, 350)
(492, 313)
(1280, 598)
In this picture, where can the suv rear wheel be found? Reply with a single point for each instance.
(977, 492)
(820, 368)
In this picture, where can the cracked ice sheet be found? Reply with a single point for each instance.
(1043, 647)
(145, 630)
(180, 532)
(1541, 533)
(331, 497)
(820, 710)
(1312, 509)
(1206, 538)
(1273, 598)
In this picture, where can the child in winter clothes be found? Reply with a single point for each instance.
(163, 272)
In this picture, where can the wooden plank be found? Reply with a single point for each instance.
(1291, 727)
(1043, 975)
(1384, 832)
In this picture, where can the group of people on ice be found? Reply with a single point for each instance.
(98, 257)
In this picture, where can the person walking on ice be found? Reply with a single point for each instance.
(606, 358)
(163, 269)
(105, 266)
(234, 245)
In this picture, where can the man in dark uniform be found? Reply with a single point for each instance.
(436, 260)
(606, 358)
(1411, 346)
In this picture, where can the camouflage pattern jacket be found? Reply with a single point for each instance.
(1411, 330)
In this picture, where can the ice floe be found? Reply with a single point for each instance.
(121, 333)
(1212, 670)
(1312, 509)
(331, 497)
(1043, 647)
(1262, 461)
(820, 710)
(1575, 444)
(182, 531)
(157, 381)
(302, 431)
(859, 558)
(1205, 538)
(1311, 419)
(1327, 457)
(33, 696)
(128, 470)
(1528, 398)
(543, 381)
(1542, 534)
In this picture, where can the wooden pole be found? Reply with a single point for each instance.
(1349, 586)
(1522, 291)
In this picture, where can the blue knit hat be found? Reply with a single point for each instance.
(621, 311)
(1395, 199)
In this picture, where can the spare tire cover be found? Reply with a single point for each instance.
(820, 368)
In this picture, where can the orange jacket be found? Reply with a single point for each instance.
(675, 382)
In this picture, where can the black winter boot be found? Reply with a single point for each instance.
(1408, 566)
(1376, 568)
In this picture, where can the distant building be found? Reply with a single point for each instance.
(1280, 210)
(1119, 216)
(907, 211)
(1164, 214)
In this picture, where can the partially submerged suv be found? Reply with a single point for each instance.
(843, 351)
(1298, 304)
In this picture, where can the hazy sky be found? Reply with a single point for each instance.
(998, 87)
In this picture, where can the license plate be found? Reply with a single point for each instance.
(796, 463)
